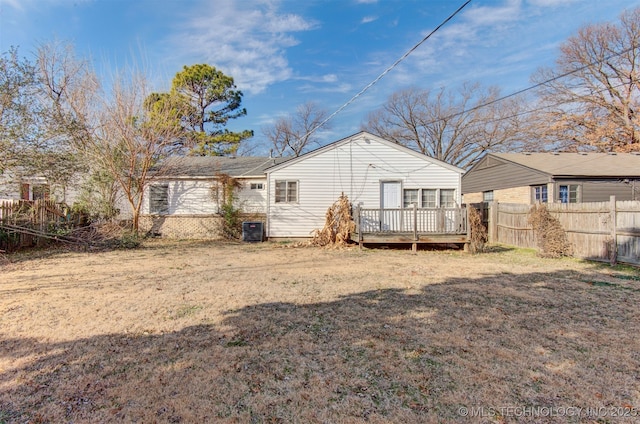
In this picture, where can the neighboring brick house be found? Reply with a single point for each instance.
(553, 178)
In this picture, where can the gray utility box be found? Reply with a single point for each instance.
(252, 231)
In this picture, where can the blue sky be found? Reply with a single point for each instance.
(285, 53)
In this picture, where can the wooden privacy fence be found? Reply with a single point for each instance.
(604, 231)
(21, 221)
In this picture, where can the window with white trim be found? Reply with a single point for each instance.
(411, 197)
(257, 186)
(487, 196)
(286, 191)
(540, 193)
(568, 193)
(429, 198)
(447, 198)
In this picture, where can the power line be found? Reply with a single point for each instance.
(555, 78)
(386, 71)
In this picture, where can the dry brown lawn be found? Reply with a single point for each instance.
(211, 332)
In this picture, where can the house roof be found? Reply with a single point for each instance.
(366, 135)
(209, 166)
(577, 164)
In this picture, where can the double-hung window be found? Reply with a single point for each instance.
(568, 193)
(429, 198)
(411, 197)
(540, 193)
(447, 198)
(286, 191)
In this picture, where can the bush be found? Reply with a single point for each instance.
(477, 232)
(550, 236)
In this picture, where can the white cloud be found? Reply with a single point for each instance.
(327, 78)
(14, 4)
(487, 15)
(551, 3)
(368, 19)
(247, 40)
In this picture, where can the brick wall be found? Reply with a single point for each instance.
(472, 198)
(195, 227)
(508, 195)
(513, 195)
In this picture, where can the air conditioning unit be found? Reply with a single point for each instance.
(252, 231)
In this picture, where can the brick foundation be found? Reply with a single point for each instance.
(193, 227)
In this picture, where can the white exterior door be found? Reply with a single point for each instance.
(390, 199)
(391, 195)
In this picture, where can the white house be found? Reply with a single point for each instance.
(371, 171)
(182, 200)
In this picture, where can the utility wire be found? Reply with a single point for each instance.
(557, 77)
(385, 72)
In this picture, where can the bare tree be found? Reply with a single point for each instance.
(119, 133)
(296, 133)
(132, 139)
(592, 96)
(455, 127)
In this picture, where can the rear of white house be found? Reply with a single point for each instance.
(183, 200)
(371, 171)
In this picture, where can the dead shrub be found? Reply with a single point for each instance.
(477, 231)
(338, 225)
(550, 236)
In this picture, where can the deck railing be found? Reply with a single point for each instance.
(411, 220)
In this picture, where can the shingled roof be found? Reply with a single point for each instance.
(209, 166)
(578, 164)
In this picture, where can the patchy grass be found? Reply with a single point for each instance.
(204, 332)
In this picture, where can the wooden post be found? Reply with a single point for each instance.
(359, 226)
(467, 229)
(614, 236)
(414, 246)
(415, 222)
(493, 222)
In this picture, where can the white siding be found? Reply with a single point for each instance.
(253, 200)
(355, 168)
(195, 197)
(186, 197)
(10, 187)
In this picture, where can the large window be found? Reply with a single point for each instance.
(447, 198)
(568, 193)
(429, 197)
(159, 199)
(540, 194)
(286, 191)
(411, 197)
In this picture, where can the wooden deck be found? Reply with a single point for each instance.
(411, 226)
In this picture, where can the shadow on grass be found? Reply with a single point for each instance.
(540, 339)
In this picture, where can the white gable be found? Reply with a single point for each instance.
(355, 166)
